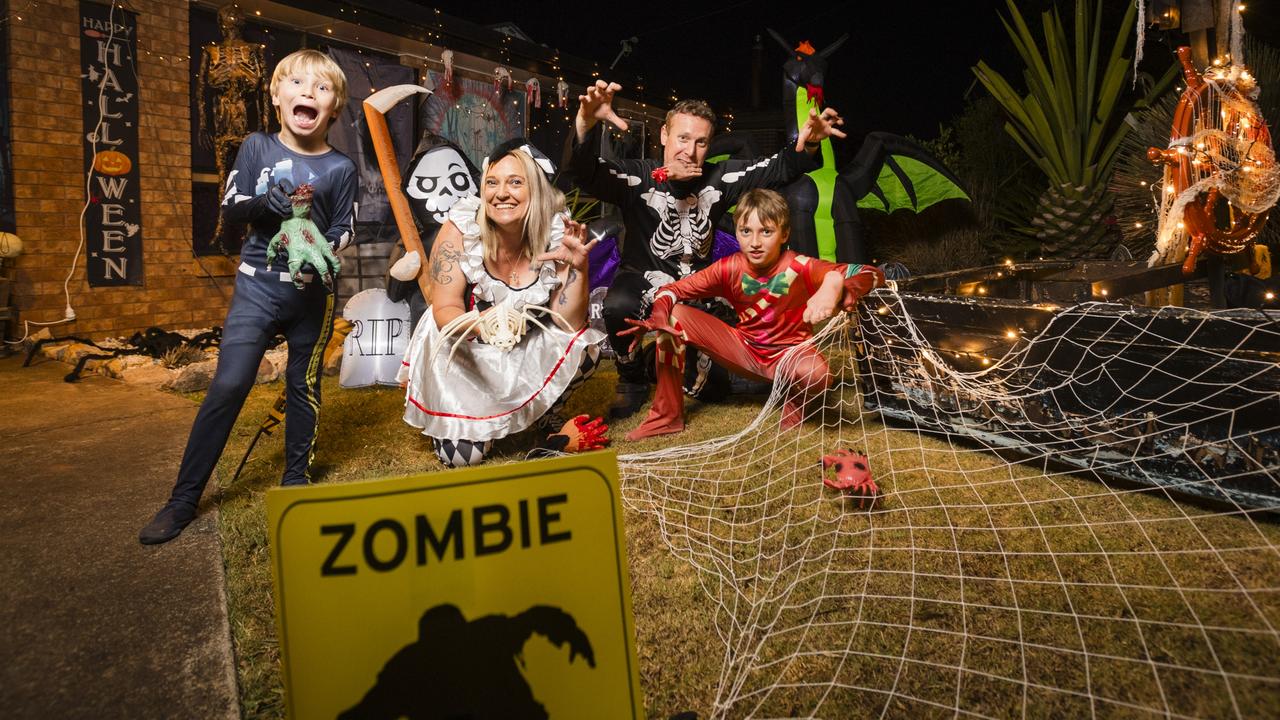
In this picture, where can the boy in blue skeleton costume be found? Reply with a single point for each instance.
(308, 89)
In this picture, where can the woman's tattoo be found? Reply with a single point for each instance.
(442, 262)
(568, 282)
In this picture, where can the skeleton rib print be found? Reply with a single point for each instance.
(684, 224)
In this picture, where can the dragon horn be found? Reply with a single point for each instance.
(781, 40)
(826, 51)
(785, 45)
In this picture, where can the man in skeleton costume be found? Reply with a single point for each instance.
(671, 209)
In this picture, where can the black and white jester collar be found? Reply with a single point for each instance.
(504, 149)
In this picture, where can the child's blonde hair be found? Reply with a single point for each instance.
(318, 64)
(770, 209)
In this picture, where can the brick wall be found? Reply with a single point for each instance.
(49, 182)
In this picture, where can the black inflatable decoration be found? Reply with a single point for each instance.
(889, 172)
(438, 176)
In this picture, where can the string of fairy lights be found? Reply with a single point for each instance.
(431, 60)
(19, 14)
(347, 26)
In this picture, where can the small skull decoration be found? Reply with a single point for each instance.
(303, 243)
(852, 475)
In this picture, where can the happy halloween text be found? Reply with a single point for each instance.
(109, 99)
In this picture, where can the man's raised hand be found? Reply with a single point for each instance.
(819, 127)
(682, 169)
(597, 104)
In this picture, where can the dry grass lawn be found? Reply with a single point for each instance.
(973, 583)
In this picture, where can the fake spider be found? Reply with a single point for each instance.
(501, 326)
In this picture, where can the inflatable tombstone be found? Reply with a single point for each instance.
(373, 351)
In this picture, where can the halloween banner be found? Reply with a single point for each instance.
(109, 92)
(475, 115)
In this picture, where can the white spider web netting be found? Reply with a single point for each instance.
(984, 581)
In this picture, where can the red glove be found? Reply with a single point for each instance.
(659, 319)
(585, 434)
(660, 311)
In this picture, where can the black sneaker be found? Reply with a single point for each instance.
(629, 399)
(167, 524)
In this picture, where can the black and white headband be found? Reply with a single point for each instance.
(504, 149)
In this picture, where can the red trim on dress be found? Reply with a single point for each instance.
(522, 405)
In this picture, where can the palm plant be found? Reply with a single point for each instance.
(581, 209)
(1070, 122)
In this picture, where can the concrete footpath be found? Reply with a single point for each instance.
(95, 625)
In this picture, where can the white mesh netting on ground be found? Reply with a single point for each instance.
(1004, 570)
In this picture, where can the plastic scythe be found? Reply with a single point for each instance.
(376, 107)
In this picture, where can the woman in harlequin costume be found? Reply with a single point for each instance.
(500, 261)
(778, 296)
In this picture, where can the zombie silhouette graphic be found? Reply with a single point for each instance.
(460, 670)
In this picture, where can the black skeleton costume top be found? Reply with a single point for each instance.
(670, 224)
(264, 160)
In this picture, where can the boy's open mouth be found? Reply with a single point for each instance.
(304, 116)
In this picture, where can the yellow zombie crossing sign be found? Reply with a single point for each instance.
(492, 592)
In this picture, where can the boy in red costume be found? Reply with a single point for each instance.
(778, 296)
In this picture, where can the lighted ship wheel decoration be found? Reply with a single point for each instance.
(1220, 173)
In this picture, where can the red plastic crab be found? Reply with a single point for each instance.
(659, 174)
(853, 474)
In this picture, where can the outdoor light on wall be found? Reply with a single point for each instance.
(10, 245)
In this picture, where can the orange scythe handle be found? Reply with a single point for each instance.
(386, 153)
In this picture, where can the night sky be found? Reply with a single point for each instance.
(905, 68)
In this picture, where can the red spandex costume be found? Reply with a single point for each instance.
(770, 311)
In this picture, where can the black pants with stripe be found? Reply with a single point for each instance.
(262, 307)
